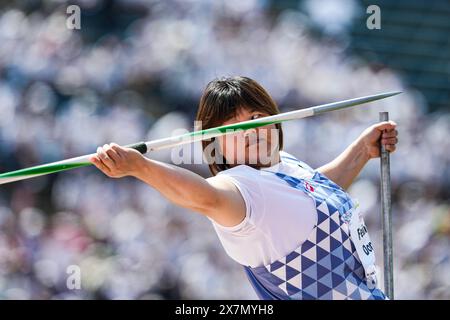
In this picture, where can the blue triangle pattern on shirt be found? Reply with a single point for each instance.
(331, 208)
(356, 295)
(352, 262)
(335, 261)
(341, 288)
(353, 246)
(312, 290)
(326, 270)
(291, 256)
(334, 244)
(339, 252)
(318, 202)
(273, 279)
(321, 253)
(291, 272)
(306, 263)
(378, 295)
(321, 271)
(311, 272)
(327, 295)
(352, 279)
(333, 226)
(291, 290)
(306, 281)
(344, 235)
(347, 254)
(321, 217)
(296, 295)
(321, 235)
(307, 245)
(336, 279)
(307, 296)
(326, 262)
(327, 280)
(322, 289)
(276, 265)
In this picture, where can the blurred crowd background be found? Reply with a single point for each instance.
(135, 71)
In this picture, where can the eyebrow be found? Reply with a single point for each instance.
(253, 110)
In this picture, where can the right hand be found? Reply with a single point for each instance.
(116, 161)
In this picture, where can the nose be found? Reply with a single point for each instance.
(250, 132)
(250, 136)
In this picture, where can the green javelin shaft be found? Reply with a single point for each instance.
(190, 137)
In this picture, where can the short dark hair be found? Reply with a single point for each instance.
(221, 101)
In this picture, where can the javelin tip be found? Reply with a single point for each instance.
(390, 94)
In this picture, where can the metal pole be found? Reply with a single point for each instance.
(386, 216)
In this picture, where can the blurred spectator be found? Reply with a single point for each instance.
(61, 95)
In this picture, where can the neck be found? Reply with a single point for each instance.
(275, 160)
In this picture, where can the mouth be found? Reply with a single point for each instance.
(254, 142)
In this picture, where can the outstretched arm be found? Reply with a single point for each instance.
(214, 197)
(346, 167)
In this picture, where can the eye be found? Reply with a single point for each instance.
(256, 116)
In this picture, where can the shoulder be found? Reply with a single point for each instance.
(246, 181)
(241, 176)
(238, 170)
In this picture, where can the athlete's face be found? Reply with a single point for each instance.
(256, 147)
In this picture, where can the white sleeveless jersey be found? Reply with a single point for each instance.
(278, 217)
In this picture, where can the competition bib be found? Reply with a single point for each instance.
(364, 247)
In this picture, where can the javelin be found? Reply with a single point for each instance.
(154, 145)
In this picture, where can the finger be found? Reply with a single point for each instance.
(111, 153)
(389, 141)
(92, 159)
(385, 125)
(118, 149)
(100, 165)
(390, 147)
(389, 134)
(104, 158)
